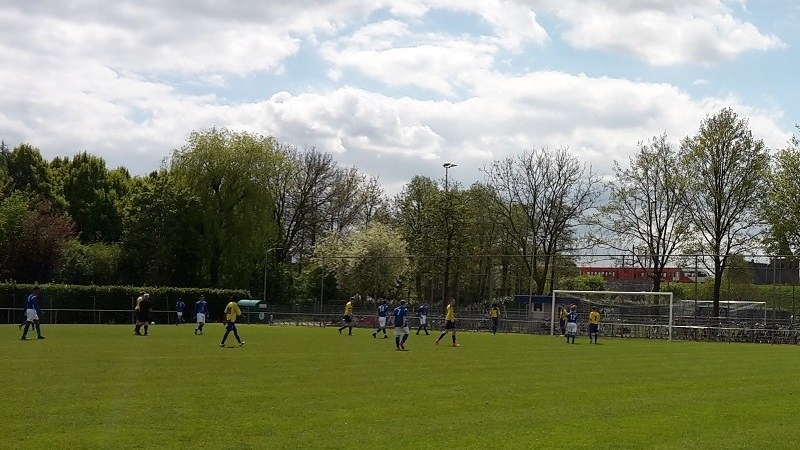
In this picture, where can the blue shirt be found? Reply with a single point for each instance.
(179, 307)
(572, 317)
(400, 314)
(383, 310)
(423, 310)
(201, 307)
(32, 302)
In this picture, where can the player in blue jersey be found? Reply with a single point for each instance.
(383, 312)
(422, 312)
(401, 330)
(200, 311)
(572, 323)
(32, 312)
(180, 306)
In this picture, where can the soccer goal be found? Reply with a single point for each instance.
(640, 314)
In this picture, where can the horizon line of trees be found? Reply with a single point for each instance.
(239, 210)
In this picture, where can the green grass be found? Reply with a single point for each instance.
(101, 387)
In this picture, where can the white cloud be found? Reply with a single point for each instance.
(662, 32)
(112, 78)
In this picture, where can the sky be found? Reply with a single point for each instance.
(393, 87)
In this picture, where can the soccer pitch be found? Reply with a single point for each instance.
(98, 386)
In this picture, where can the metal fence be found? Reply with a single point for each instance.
(515, 319)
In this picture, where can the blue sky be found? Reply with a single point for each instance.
(394, 87)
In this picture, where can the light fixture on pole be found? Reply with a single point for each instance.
(447, 166)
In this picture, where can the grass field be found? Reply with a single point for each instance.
(98, 386)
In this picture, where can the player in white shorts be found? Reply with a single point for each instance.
(401, 330)
(383, 311)
(422, 312)
(572, 324)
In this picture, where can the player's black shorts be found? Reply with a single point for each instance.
(593, 328)
(495, 320)
(450, 325)
(347, 319)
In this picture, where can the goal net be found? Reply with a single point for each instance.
(638, 314)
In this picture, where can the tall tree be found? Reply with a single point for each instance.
(314, 196)
(781, 210)
(30, 173)
(94, 197)
(162, 242)
(33, 236)
(229, 173)
(542, 196)
(370, 261)
(646, 211)
(413, 213)
(726, 169)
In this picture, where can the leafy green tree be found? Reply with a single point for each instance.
(162, 238)
(781, 210)
(30, 173)
(94, 196)
(96, 263)
(413, 215)
(32, 238)
(229, 173)
(370, 262)
(725, 169)
(583, 283)
(5, 179)
(646, 211)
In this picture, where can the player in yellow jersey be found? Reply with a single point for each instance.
(449, 323)
(347, 320)
(232, 311)
(594, 324)
(562, 319)
(494, 315)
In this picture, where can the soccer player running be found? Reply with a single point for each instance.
(449, 323)
(572, 323)
(494, 315)
(32, 312)
(347, 320)
(422, 312)
(200, 310)
(180, 306)
(594, 324)
(401, 330)
(383, 311)
(231, 312)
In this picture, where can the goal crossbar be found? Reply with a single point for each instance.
(556, 292)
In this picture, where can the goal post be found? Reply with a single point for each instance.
(623, 300)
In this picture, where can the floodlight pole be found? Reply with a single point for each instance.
(447, 166)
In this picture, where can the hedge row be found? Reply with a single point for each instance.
(68, 296)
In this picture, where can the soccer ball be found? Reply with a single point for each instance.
(152, 323)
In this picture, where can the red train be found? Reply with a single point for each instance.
(669, 274)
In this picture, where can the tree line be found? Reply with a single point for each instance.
(239, 210)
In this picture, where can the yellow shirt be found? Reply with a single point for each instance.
(594, 317)
(563, 314)
(494, 312)
(348, 309)
(231, 311)
(450, 314)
